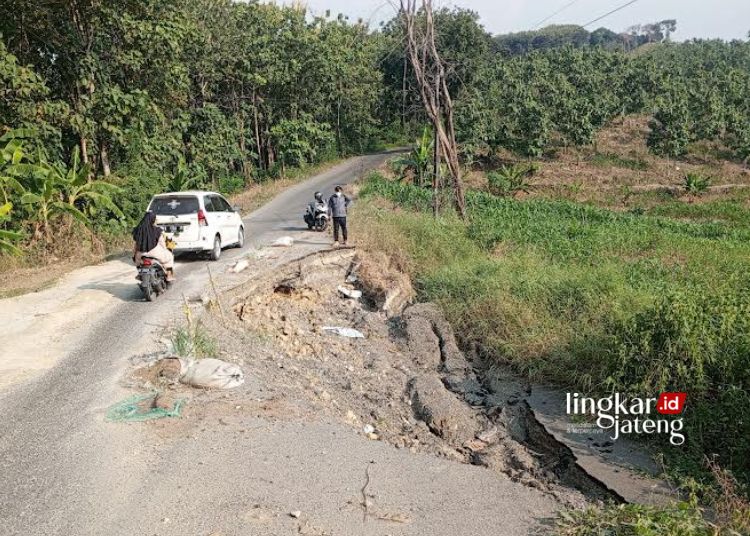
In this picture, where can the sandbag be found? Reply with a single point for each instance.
(283, 242)
(211, 373)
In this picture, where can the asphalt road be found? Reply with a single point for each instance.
(65, 471)
(49, 444)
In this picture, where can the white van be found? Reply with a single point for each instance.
(199, 221)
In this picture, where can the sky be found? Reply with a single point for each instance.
(728, 19)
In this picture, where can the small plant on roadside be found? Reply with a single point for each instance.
(193, 342)
(695, 183)
(509, 180)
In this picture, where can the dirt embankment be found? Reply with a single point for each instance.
(404, 381)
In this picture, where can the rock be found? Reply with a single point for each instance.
(239, 266)
(427, 317)
(350, 333)
(373, 436)
(350, 293)
(368, 429)
(424, 345)
(295, 514)
(490, 435)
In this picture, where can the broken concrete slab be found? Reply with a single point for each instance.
(443, 413)
(452, 359)
(625, 466)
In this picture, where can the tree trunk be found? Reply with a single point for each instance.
(104, 158)
(436, 158)
(430, 74)
(338, 126)
(258, 145)
(83, 142)
(403, 96)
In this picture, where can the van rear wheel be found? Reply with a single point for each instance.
(241, 238)
(216, 251)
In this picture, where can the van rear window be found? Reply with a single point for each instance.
(176, 205)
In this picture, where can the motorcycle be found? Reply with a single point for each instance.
(316, 216)
(152, 276)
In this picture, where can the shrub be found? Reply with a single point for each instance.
(511, 179)
(193, 342)
(695, 183)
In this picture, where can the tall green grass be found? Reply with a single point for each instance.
(593, 299)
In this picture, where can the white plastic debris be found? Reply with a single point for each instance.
(345, 332)
(283, 242)
(350, 293)
(368, 429)
(239, 266)
(351, 278)
(211, 373)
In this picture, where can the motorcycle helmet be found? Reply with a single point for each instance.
(318, 196)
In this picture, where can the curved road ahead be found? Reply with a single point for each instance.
(56, 459)
(65, 471)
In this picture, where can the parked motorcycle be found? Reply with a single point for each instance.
(316, 216)
(152, 276)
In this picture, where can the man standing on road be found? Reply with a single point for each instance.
(337, 205)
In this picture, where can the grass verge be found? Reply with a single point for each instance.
(591, 299)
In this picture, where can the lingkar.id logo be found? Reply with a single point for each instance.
(624, 416)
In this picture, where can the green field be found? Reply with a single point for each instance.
(593, 299)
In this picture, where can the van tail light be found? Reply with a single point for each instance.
(202, 218)
(146, 262)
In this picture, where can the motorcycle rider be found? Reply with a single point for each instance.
(337, 206)
(318, 200)
(316, 207)
(149, 241)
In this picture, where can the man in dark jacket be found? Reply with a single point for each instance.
(337, 205)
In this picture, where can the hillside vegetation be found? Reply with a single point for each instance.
(139, 97)
(101, 106)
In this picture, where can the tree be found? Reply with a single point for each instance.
(433, 86)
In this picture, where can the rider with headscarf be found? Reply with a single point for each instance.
(149, 241)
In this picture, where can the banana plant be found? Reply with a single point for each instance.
(419, 159)
(76, 187)
(46, 201)
(11, 156)
(51, 188)
(182, 180)
(8, 237)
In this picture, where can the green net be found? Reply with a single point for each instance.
(139, 408)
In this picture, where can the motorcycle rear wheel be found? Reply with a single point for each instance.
(148, 293)
(321, 225)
